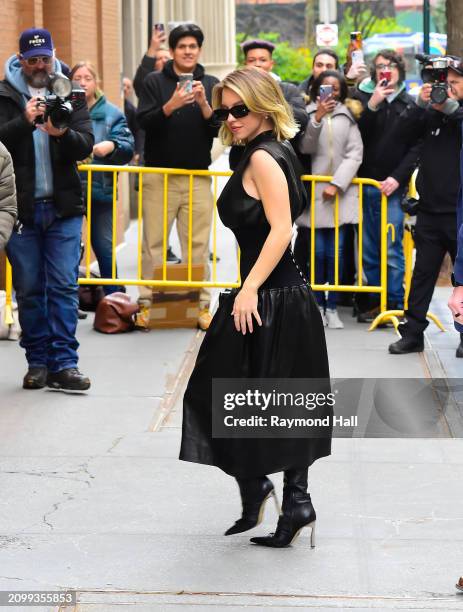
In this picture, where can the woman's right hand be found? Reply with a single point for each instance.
(324, 107)
(244, 309)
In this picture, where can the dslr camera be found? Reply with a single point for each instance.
(434, 70)
(64, 99)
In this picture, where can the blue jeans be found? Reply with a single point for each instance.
(324, 263)
(372, 243)
(45, 260)
(102, 241)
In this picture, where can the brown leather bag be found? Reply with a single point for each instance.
(115, 314)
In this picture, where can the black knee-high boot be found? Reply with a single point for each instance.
(298, 512)
(254, 493)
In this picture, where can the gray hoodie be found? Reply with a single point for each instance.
(43, 166)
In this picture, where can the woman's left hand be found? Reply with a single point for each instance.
(244, 307)
(103, 148)
(330, 192)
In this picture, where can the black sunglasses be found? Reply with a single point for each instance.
(238, 111)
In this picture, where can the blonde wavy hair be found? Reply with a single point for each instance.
(261, 94)
(93, 71)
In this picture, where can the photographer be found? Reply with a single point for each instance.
(45, 249)
(438, 184)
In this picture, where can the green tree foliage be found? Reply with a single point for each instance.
(290, 64)
(367, 23)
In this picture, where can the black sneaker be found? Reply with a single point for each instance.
(459, 351)
(35, 378)
(69, 378)
(172, 257)
(407, 345)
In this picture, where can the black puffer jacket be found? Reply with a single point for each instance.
(75, 145)
(183, 140)
(387, 151)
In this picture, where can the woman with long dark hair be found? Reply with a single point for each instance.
(271, 326)
(333, 141)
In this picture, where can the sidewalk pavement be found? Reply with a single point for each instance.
(94, 497)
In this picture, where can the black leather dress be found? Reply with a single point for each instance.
(290, 343)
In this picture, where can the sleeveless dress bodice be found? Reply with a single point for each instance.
(245, 215)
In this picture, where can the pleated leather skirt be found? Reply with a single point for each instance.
(289, 344)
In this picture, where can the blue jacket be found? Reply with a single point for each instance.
(109, 123)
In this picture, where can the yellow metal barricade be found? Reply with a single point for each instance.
(360, 286)
(166, 172)
(215, 283)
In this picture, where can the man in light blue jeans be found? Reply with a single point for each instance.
(44, 249)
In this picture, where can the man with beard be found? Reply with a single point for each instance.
(45, 248)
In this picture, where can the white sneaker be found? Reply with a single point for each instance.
(322, 312)
(334, 322)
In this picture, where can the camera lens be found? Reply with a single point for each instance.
(439, 94)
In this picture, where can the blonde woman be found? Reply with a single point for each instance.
(270, 327)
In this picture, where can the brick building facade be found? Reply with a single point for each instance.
(81, 30)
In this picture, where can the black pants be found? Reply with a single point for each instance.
(435, 235)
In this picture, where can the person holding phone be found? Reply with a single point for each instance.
(174, 110)
(154, 59)
(390, 158)
(333, 141)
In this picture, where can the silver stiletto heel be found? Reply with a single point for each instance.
(277, 504)
(312, 534)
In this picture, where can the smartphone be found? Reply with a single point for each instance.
(385, 77)
(325, 92)
(357, 57)
(187, 78)
(159, 27)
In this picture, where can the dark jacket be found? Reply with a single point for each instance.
(75, 145)
(144, 69)
(108, 123)
(183, 140)
(294, 98)
(130, 112)
(387, 152)
(438, 180)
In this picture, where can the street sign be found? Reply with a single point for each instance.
(327, 35)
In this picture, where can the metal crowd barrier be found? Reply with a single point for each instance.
(385, 227)
(215, 283)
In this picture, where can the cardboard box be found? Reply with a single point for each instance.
(176, 306)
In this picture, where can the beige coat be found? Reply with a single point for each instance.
(8, 208)
(336, 149)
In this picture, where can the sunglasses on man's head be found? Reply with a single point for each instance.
(32, 61)
(238, 111)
